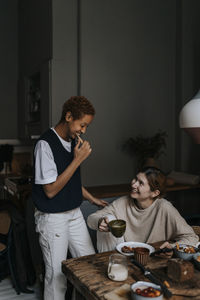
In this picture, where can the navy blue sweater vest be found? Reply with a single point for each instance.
(70, 196)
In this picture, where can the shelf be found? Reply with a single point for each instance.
(103, 191)
(118, 190)
(182, 187)
(109, 191)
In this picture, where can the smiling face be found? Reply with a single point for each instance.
(79, 126)
(142, 192)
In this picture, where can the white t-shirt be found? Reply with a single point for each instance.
(45, 167)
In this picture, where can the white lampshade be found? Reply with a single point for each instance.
(189, 118)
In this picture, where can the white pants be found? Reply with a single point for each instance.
(57, 233)
(105, 240)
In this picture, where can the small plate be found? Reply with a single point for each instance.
(133, 245)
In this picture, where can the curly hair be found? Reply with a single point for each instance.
(78, 106)
(156, 179)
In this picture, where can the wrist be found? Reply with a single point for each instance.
(99, 222)
(77, 160)
(90, 198)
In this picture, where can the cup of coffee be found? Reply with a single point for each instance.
(117, 227)
(141, 254)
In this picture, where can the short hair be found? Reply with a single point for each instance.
(78, 106)
(156, 179)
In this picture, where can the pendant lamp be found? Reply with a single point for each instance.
(189, 118)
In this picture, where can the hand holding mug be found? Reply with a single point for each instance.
(117, 227)
(103, 224)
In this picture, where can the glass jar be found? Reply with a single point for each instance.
(117, 267)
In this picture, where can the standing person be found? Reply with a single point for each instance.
(149, 217)
(58, 192)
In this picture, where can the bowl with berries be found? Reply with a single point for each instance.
(142, 290)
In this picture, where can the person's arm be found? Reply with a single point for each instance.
(181, 232)
(103, 224)
(96, 218)
(92, 199)
(167, 254)
(80, 154)
(186, 237)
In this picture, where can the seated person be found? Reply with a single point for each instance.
(149, 217)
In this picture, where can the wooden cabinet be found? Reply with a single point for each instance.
(35, 56)
(47, 63)
(34, 102)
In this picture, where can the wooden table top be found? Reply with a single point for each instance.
(88, 274)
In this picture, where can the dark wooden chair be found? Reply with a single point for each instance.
(7, 265)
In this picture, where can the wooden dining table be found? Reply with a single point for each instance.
(88, 274)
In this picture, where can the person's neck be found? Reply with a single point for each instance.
(144, 204)
(61, 130)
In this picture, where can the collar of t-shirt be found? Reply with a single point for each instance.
(66, 145)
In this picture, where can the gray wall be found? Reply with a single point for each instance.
(8, 69)
(190, 77)
(127, 70)
(136, 60)
(188, 82)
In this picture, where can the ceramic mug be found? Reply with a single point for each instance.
(117, 227)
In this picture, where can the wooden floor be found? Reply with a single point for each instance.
(7, 292)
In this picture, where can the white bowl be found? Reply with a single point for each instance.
(196, 262)
(143, 285)
(181, 254)
(133, 245)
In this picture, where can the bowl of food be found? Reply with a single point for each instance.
(117, 227)
(184, 251)
(196, 260)
(142, 290)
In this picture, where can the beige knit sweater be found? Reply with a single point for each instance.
(159, 222)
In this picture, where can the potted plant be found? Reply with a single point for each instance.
(146, 149)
